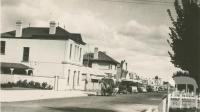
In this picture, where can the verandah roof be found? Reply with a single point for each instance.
(14, 65)
(185, 80)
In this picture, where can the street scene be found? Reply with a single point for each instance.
(100, 56)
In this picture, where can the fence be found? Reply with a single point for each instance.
(56, 82)
(183, 100)
(179, 100)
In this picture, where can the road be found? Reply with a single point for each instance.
(120, 103)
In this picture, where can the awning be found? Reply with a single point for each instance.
(96, 77)
(185, 80)
(132, 80)
(14, 65)
(97, 72)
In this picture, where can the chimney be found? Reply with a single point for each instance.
(52, 27)
(96, 53)
(18, 32)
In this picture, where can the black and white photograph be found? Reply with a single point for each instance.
(100, 56)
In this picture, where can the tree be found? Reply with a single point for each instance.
(185, 37)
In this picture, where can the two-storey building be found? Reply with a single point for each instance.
(43, 51)
(101, 61)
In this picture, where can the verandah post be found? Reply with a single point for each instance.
(168, 102)
(180, 101)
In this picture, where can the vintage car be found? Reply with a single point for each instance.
(128, 87)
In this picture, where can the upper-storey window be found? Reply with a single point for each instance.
(80, 54)
(26, 54)
(75, 50)
(77, 54)
(3, 47)
(70, 52)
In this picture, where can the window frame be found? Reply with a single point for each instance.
(70, 52)
(3, 45)
(26, 56)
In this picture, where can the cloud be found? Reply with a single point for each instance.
(152, 39)
(10, 2)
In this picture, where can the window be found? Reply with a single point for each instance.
(77, 55)
(70, 52)
(75, 52)
(78, 78)
(68, 77)
(80, 54)
(26, 54)
(3, 46)
(111, 67)
(74, 80)
(84, 77)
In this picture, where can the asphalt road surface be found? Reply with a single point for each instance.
(120, 103)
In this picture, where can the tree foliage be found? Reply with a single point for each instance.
(185, 37)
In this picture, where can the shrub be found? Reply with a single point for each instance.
(19, 83)
(37, 85)
(31, 84)
(24, 83)
(49, 87)
(10, 84)
(44, 85)
(7, 85)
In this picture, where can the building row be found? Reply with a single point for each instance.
(56, 56)
(53, 52)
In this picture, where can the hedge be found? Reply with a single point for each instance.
(27, 84)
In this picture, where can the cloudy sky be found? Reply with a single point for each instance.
(132, 30)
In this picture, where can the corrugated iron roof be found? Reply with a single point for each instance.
(101, 57)
(43, 33)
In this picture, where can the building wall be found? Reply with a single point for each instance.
(48, 58)
(55, 51)
(107, 68)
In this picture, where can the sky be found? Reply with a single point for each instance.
(136, 31)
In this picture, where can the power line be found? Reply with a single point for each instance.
(144, 2)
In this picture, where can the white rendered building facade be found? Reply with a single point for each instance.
(50, 52)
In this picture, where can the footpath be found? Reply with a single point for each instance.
(26, 95)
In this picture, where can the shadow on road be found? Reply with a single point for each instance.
(78, 109)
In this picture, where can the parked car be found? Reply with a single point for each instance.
(134, 89)
(149, 88)
(142, 89)
(126, 87)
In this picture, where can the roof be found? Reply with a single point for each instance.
(185, 80)
(14, 65)
(102, 57)
(43, 33)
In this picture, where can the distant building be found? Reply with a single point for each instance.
(156, 83)
(122, 72)
(43, 51)
(101, 61)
